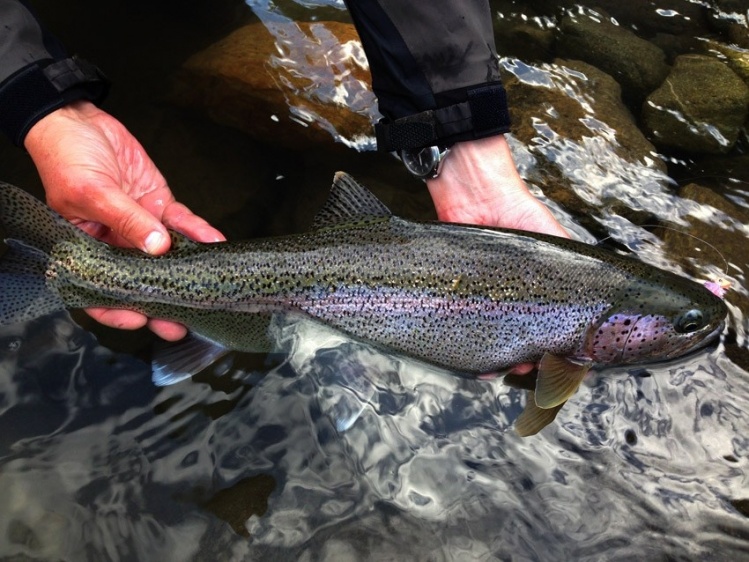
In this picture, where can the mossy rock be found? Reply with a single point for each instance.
(700, 107)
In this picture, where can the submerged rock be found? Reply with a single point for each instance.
(584, 139)
(638, 65)
(725, 239)
(682, 17)
(701, 107)
(524, 33)
(730, 17)
(292, 84)
(524, 40)
(735, 57)
(589, 105)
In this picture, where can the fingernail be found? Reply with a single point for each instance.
(154, 242)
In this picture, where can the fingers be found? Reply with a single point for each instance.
(129, 222)
(178, 217)
(130, 320)
(118, 219)
(120, 319)
(170, 331)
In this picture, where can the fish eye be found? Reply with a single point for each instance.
(689, 322)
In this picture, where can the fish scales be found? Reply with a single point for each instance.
(467, 299)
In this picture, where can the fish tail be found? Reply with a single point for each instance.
(31, 230)
(27, 219)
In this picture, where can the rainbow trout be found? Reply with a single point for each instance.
(469, 299)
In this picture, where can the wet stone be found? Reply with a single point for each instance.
(292, 84)
(674, 45)
(735, 57)
(515, 37)
(638, 65)
(586, 103)
(739, 35)
(701, 107)
(645, 18)
(725, 15)
(597, 96)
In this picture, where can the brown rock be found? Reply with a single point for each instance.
(735, 57)
(570, 117)
(292, 84)
(701, 107)
(574, 102)
(518, 35)
(638, 65)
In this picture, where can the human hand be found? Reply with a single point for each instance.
(99, 177)
(479, 184)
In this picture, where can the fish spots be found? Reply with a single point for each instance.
(610, 338)
(467, 298)
(630, 437)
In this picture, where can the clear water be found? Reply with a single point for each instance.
(330, 450)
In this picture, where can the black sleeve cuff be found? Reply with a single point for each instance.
(483, 113)
(44, 86)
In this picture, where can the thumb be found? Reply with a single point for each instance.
(130, 224)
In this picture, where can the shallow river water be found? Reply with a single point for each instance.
(329, 450)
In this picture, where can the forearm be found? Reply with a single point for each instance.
(435, 64)
(22, 39)
(36, 74)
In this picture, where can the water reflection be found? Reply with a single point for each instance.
(321, 63)
(128, 472)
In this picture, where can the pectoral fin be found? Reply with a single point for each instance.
(558, 379)
(177, 361)
(534, 419)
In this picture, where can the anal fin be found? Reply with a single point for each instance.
(534, 419)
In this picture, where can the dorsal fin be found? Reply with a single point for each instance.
(348, 200)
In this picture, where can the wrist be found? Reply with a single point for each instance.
(477, 173)
(38, 135)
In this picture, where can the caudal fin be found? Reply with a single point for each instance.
(27, 219)
(31, 230)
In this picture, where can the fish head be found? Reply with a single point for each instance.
(656, 320)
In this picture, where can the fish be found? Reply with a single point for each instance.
(472, 300)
